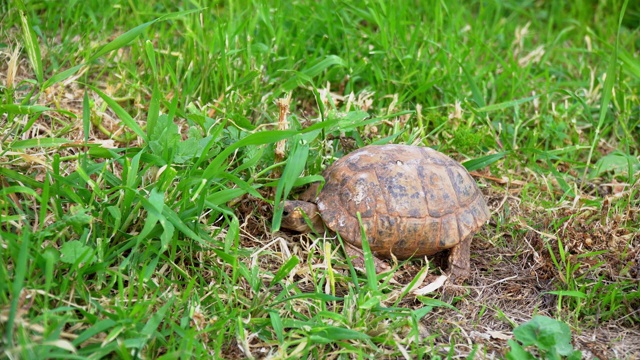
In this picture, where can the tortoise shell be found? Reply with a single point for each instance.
(413, 201)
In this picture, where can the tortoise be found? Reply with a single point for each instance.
(413, 201)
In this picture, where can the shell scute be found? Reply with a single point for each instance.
(413, 201)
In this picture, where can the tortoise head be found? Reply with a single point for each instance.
(295, 212)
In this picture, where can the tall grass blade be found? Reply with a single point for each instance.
(506, 104)
(19, 275)
(122, 114)
(295, 165)
(32, 46)
(607, 92)
(483, 161)
(126, 38)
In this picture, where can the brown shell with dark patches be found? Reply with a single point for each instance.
(413, 201)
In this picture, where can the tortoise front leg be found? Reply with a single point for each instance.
(460, 261)
(357, 259)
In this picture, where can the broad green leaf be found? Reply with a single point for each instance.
(149, 271)
(154, 206)
(616, 162)
(114, 211)
(78, 218)
(156, 199)
(518, 352)
(187, 150)
(547, 334)
(152, 218)
(327, 314)
(74, 251)
(165, 138)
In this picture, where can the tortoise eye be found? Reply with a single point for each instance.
(285, 213)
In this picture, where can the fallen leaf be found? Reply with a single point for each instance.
(431, 287)
(498, 335)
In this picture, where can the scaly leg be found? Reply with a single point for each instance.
(460, 261)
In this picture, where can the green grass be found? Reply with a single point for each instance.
(137, 171)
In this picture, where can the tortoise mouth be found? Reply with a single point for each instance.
(298, 214)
